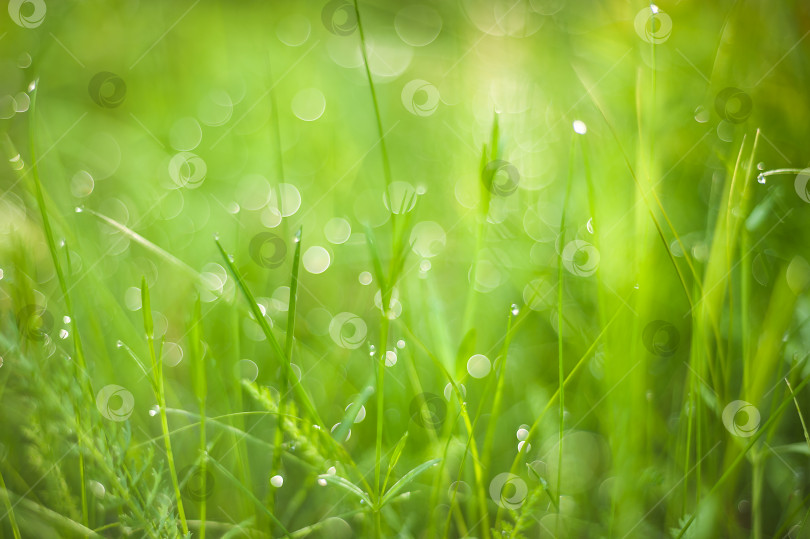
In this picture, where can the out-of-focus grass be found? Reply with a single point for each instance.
(523, 268)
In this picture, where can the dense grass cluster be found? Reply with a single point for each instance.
(480, 268)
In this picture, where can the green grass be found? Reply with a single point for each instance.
(509, 269)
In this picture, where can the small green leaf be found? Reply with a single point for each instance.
(395, 458)
(346, 485)
(407, 478)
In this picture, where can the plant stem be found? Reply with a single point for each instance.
(157, 373)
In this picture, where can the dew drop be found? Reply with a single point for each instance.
(277, 481)
(400, 344)
(365, 278)
(579, 127)
(478, 366)
(761, 178)
(515, 309)
(521, 444)
(390, 358)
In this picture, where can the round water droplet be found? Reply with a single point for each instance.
(579, 127)
(361, 413)
(390, 358)
(309, 104)
(348, 434)
(400, 344)
(761, 178)
(365, 278)
(172, 354)
(521, 444)
(8, 107)
(185, 134)
(293, 30)
(316, 259)
(337, 230)
(418, 25)
(247, 369)
(702, 115)
(82, 184)
(515, 309)
(522, 434)
(478, 366)
(277, 481)
(428, 239)
(24, 60)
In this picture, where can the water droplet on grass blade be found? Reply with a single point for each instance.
(277, 481)
(348, 433)
(478, 366)
(521, 444)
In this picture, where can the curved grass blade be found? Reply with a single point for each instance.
(348, 486)
(395, 458)
(407, 478)
(257, 314)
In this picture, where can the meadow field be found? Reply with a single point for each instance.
(356, 268)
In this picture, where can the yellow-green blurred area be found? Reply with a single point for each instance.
(607, 193)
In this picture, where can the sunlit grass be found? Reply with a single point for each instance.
(476, 269)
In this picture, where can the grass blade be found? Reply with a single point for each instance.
(348, 486)
(407, 478)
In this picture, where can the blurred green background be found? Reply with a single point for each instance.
(590, 191)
